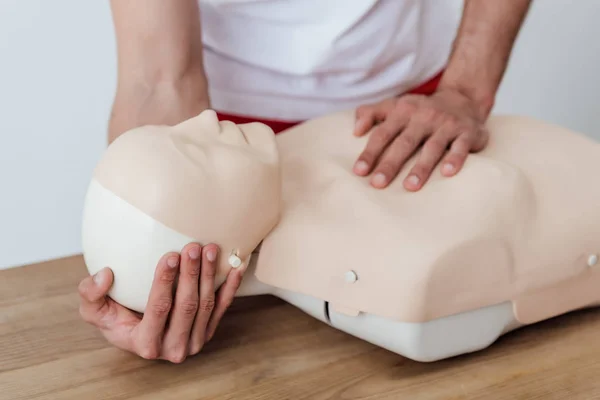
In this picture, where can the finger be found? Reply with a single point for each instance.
(367, 116)
(380, 138)
(399, 152)
(459, 151)
(225, 298)
(365, 119)
(207, 297)
(176, 340)
(160, 301)
(433, 151)
(92, 294)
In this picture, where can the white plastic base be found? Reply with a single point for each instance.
(433, 340)
(425, 342)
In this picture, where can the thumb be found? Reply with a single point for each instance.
(481, 141)
(93, 291)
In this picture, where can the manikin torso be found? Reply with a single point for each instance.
(511, 240)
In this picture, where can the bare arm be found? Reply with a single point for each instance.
(161, 78)
(482, 49)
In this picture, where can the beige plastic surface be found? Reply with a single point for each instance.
(214, 182)
(518, 223)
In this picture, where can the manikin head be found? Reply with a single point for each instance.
(158, 188)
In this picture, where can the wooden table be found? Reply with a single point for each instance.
(266, 349)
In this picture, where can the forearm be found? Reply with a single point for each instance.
(157, 40)
(482, 49)
(161, 78)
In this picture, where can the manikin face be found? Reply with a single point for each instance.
(158, 188)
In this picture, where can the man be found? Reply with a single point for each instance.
(284, 61)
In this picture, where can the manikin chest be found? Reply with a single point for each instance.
(485, 239)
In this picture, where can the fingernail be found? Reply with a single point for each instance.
(361, 167)
(211, 255)
(413, 180)
(172, 262)
(379, 179)
(448, 169)
(98, 278)
(194, 253)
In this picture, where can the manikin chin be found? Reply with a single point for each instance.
(513, 239)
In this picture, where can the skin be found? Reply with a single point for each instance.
(161, 80)
(161, 77)
(449, 124)
(173, 326)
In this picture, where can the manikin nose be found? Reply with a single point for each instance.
(199, 127)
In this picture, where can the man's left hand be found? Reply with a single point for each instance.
(447, 124)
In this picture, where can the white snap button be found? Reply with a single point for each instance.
(351, 277)
(593, 260)
(235, 261)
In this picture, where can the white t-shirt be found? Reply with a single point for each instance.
(298, 59)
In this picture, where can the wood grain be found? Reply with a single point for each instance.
(266, 349)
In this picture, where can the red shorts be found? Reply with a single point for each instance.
(426, 88)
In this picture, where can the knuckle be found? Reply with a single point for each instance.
(149, 352)
(207, 304)
(162, 307)
(451, 122)
(403, 105)
(177, 356)
(194, 273)
(428, 114)
(194, 270)
(408, 141)
(189, 306)
(167, 276)
(382, 136)
(466, 127)
(435, 145)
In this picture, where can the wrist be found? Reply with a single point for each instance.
(190, 86)
(482, 98)
(163, 102)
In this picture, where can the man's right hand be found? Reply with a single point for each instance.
(176, 324)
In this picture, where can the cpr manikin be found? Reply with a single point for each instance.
(513, 239)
